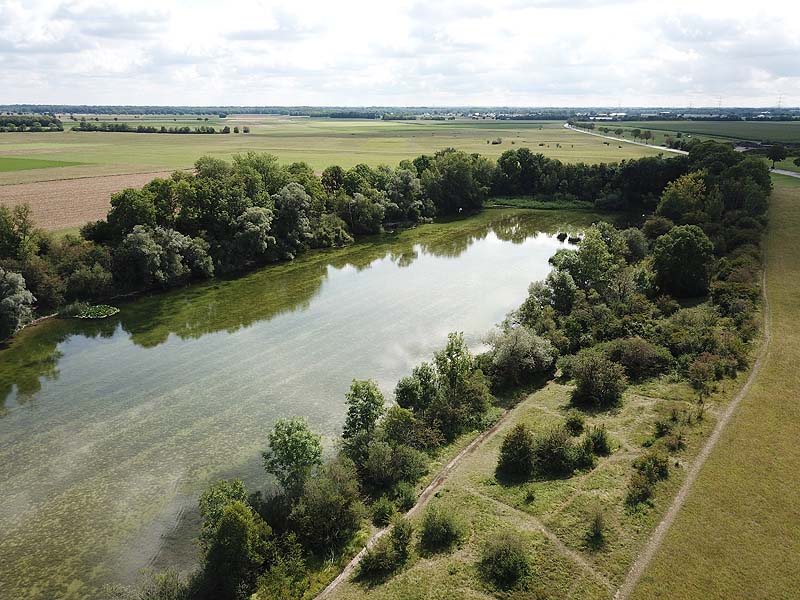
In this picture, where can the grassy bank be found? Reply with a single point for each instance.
(738, 535)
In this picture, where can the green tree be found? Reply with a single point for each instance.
(517, 458)
(518, 354)
(294, 451)
(329, 510)
(776, 153)
(15, 303)
(684, 199)
(365, 405)
(213, 502)
(130, 208)
(237, 552)
(598, 380)
(682, 261)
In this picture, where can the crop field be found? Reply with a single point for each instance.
(319, 142)
(786, 132)
(554, 515)
(10, 163)
(738, 534)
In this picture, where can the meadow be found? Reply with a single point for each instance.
(785, 132)
(65, 194)
(738, 534)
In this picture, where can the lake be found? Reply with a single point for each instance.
(109, 430)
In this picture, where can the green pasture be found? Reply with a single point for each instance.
(11, 163)
(786, 132)
(320, 142)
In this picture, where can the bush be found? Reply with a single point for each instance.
(639, 489)
(556, 453)
(598, 380)
(516, 458)
(597, 526)
(389, 553)
(504, 560)
(640, 357)
(388, 465)
(518, 354)
(441, 529)
(382, 511)
(599, 441)
(653, 465)
(405, 496)
(574, 423)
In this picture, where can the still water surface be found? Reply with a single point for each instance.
(110, 429)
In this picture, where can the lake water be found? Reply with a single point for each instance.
(110, 429)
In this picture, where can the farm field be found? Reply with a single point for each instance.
(784, 131)
(554, 515)
(10, 163)
(738, 534)
(320, 142)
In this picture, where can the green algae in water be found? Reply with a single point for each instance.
(112, 427)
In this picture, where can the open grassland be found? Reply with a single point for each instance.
(738, 534)
(554, 515)
(11, 163)
(758, 131)
(68, 196)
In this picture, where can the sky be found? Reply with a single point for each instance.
(401, 53)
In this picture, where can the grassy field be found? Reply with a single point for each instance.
(320, 142)
(784, 132)
(68, 196)
(554, 515)
(10, 163)
(738, 534)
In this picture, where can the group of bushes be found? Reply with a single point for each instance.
(126, 128)
(29, 123)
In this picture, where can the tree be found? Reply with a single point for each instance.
(647, 136)
(797, 161)
(364, 407)
(504, 559)
(636, 133)
(19, 238)
(518, 354)
(329, 510)
(598, 380)
(682, 261)
(15, 303)
(238, 550)
(294, 451)
(517, 458)
(776, 153)
(213, 502)
(684, 199)
(254, 239)
(130, 208)
(292, 226)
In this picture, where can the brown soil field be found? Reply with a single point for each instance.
(65, 203)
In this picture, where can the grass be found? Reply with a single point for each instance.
(555, 515)
(320, 142)
(11, 163)
(758, 131)
(738, 534)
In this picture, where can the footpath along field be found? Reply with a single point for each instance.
(738, 534)
(320, 142)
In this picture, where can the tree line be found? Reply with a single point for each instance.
(84, 125)
(608, 313)
(29, 123)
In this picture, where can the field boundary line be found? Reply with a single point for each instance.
(79, 177)
(657, 538)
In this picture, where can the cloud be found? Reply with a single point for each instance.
(409, 52)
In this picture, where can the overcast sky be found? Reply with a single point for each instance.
(434, 52)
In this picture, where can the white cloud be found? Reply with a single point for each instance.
(359, 52)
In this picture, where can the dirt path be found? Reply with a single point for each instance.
(617, 139)
(647, 553)
(536, 525)
(423, 499)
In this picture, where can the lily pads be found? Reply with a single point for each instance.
(99, 311)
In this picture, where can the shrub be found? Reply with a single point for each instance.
(599, 441)
(652, 465)
(556, 453)
(518, 354)
(574, 423)
(516, 458)
(597, 526)
(598, 380)
(389, 553)
(703, 371)
(405, 496)
(382, 511)
(504, 560)
(441, 529)
(639, 489)
(640, 357)
(388, 465)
